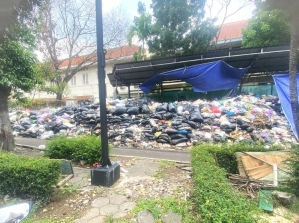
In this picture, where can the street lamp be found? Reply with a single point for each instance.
(107, 174)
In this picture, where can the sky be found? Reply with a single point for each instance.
(131, 8)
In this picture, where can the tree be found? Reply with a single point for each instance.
(17, 74)
(67, 37)
(141, 28)
(291, 8)
(178, 28)
(267, 28)
(224, 12)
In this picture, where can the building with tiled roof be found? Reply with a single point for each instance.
(84, 85)
(230, 35)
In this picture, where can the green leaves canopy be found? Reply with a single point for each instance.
(17, 69)
(267, 28)
(178, 28)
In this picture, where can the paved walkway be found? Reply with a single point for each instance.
(179, 156)
(113, 205)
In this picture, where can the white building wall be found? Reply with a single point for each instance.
(79, 88)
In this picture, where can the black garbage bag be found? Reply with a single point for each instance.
(33, 134)
(171, 131)
(165, 137)
(167, 116)
(192, 124)
(157, 116)
(161, 141)
(119, 111)
(187, 107)
(129, 135)
(177, 136)
(135, 121)
(112, 135)
(145, 109)
(145, 122)
(115, 120)
(125, 125)
(33, 117)
(171, 108)
(162, 107)
(149, 136)
(177, 141)
(244, 126)
(133, 111)
(176, 122)
(249, 129)
(196, 117)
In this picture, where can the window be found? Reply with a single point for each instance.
(85, 78)
(73, 81)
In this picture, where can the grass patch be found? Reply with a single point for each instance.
(163, 165)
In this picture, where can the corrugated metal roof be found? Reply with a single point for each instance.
(260, 59)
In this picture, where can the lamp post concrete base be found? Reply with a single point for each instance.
(105, 176)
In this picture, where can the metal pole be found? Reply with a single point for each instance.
(102, 85)
(129, 91)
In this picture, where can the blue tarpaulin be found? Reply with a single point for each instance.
(205, 77)
(282, 83)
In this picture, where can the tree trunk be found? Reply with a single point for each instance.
(59, 99)
(6, 136)
(293, 74)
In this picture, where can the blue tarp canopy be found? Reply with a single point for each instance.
(282, 83)
(205, 77)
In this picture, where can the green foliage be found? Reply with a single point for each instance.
(141, 28)
(267, 28)
(293, 183)
(83, 147)
(179, 28)
(214, 198)
(28, 177)
(16, 67)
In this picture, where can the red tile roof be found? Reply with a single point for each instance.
(114, 53)
(232, 30)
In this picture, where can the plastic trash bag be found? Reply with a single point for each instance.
(133, 111)
(119, 111)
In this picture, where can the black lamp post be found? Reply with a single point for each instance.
(106, 174)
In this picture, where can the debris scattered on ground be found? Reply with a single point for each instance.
(143, 123)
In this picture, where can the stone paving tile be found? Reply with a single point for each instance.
(94, 212)
(99, 219)
(109, 209)
(117, 199)
(127, 206)
(100, 202)
(120, 215)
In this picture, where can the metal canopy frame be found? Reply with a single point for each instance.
(261, 60)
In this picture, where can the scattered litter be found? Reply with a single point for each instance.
(142, 123)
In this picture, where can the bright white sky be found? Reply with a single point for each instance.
(131, 8)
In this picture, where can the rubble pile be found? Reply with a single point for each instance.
(145, 124)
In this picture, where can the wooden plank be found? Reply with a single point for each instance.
(249, 162)
(260, 171)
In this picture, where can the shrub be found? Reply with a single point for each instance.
(214, 198)
(88, 148)
(28, 177)
(292, 185)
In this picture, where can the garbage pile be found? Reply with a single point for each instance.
(178, 125)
